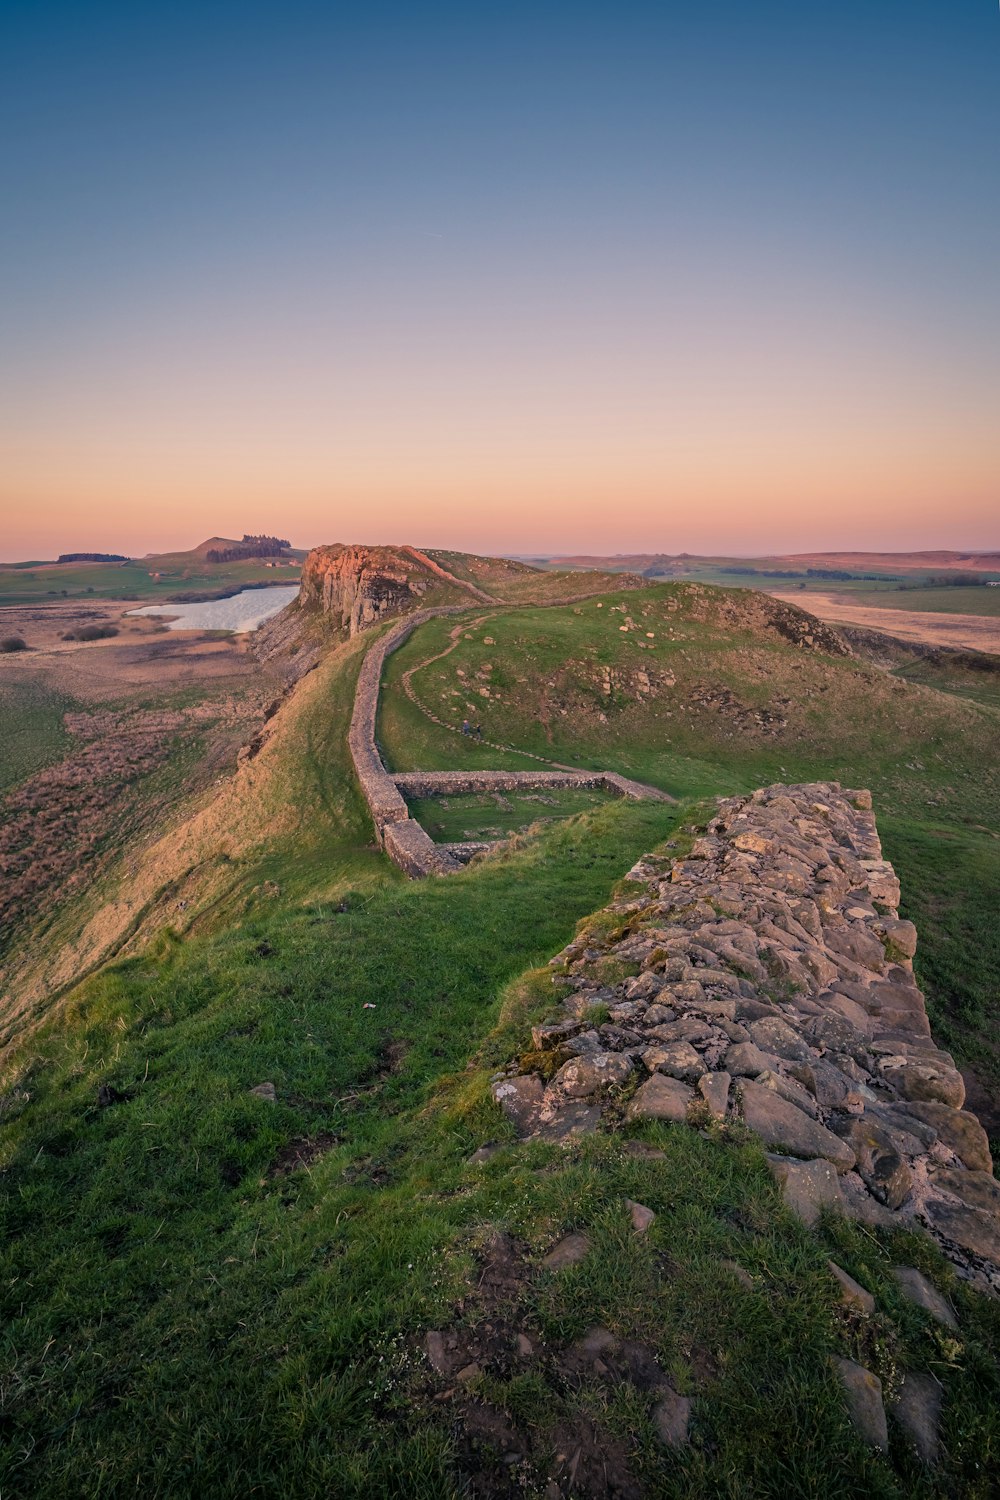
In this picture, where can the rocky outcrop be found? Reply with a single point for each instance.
(770, 987)
(359, 586)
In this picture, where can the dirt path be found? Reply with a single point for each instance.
(462, 583)
(964, 632)
(411, 692)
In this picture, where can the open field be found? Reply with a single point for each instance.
(911, 620)
(33, 730)
(495, 815)
(148, 578)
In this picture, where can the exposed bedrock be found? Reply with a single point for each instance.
(765, 979)
(359, 586)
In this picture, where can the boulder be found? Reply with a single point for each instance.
(680, 1060)
(916, 1288)
(746, 1060)
(959, 1130)
(977, 1189)
(917, 1409)
(582, 1077)
(779, 1123)
(788, 1089)
(920, 1080)
(772, 1034)
(863, 1392)
(971, 1229)
(521, 1101)
(661, 1098)
(806, 1186)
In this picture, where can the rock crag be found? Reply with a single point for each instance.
(359, 586)
(770, 982)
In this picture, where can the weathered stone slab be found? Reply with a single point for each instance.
(852, 1294)
(917, 1409)
(661, 1098)
(958, 1129)
(779, 1123)
(971, 1229)
(714, 1089)
(863, 1392)
(807, 1186)
(924, 1294)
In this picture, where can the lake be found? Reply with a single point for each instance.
(239, 613)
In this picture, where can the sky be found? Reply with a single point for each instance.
(520, 277)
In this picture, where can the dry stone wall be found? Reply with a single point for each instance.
(764, 980)
(380, 792)
(455, 783)
(407, 844)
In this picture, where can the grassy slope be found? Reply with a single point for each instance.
(490, 816)
(131, 580)
(929, 758)
(33, 733)
(182, 1316)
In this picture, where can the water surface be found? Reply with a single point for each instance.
(239, 613)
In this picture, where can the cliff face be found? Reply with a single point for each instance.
(361, 585)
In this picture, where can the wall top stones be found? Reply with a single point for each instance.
(771, 988)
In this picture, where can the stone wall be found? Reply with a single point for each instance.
(770, 987)
(405, 842)
(379, 789)
(455, 783)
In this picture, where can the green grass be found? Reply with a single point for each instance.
(183, 1316)
(980, 600)
(130, 580)
(963, 679)
(179, 1318)
(490, 816)
(929, 757)
(33, 734)
(882, 594)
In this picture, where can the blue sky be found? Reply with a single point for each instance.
(520, 276)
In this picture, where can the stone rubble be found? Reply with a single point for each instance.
(770, 982)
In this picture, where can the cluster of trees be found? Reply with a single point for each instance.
(92, 557)
(834, 573)
(954, 580)
(251, 546)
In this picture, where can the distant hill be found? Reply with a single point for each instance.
(861, 562)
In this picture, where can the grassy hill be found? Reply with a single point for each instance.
(160, 576)
(668, 687)
(209, 1291)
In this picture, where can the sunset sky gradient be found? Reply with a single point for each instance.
(526, 277)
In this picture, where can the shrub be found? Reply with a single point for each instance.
(91, 633)
(11, 643)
